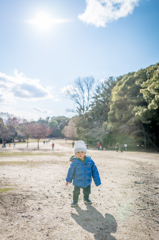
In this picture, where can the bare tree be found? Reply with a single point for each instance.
(12, 120)
(70, 131)
(27, 132)
(12, 133)
(39, 131)
(3, 130)
(24, 132)
(81, 94)
(14, 126)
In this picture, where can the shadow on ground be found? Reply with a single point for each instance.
(94, 222)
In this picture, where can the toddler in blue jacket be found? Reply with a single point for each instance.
(81, 171)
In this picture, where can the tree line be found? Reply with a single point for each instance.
(119, 110)
(13, 128)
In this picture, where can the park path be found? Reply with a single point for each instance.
(34, 146)
(125, 206)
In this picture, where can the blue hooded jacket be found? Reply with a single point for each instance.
(82, 174)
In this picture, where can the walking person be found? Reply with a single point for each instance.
(117, 147)
(125, 146)
(73, 143)
(81, 171)
(98, 145)
(53, 145)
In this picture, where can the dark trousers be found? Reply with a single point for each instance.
(86, 192)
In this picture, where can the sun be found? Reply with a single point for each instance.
(42, 21)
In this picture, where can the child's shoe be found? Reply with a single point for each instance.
(74, 204)
(87, 201)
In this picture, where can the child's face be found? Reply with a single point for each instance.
(80, 155)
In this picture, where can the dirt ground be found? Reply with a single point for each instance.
(37, 206)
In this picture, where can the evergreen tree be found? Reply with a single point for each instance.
(134, 106)
(101, 100)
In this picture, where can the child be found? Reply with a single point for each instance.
(82, 169)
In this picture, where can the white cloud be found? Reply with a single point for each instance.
(41, 110)
(100, 12)
(57, 100)
(21, 87)
(20, 113)
(69, 90)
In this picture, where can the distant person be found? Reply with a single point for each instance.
(73, 143)
(99, 145)
(125, 146)
(14, 144)
(81, 171)
(53, 145)
(117, 147)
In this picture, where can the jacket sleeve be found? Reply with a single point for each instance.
(95, 175)
(71, 172)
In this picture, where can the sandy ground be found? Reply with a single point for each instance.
(125, 206)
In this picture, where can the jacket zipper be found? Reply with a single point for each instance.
(85, 172)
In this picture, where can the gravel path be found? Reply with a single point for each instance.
(125, 206)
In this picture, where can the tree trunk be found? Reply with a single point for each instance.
(145, 140)
(146, 135)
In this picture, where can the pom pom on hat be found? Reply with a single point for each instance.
(80, 146)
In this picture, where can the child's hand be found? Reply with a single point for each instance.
(67, 183)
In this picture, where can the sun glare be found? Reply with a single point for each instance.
(43, 21)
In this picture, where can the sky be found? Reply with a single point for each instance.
(45, 45)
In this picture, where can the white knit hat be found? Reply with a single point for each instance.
(80, 146)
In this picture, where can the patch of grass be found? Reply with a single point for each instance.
(13, 162)
(12, 154)
(32, 163)
(16, 154)
(58, 154)
(5, 189)
(30, 141)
